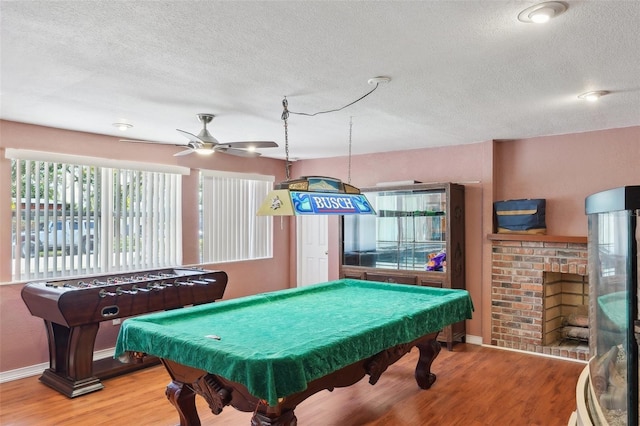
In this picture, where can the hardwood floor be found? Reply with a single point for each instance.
(475, 386)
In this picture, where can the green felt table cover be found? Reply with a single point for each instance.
(275, 343)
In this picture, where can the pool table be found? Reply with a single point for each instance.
(268, 352)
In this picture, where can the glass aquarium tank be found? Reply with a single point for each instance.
(409, 231)
(614, 335)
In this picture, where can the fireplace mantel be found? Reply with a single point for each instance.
(538, 237)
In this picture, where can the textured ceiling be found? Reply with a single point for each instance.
(462, 71)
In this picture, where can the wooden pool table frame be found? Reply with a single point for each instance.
(219, 392)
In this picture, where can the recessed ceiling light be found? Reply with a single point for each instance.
(122, 125)
(542, 12)
(593, 96)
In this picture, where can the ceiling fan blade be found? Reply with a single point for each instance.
(141, 141)
(185, 152)
(152, 142)
(251, 144)
(237, 152)
(193, 138)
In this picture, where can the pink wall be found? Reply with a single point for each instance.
(566, 169)
(563, 169)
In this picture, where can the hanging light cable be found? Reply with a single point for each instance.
(375, 80)
(350, 133)
(312, 195)
(316, 195)
(285, 118)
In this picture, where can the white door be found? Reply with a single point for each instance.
(313, 264)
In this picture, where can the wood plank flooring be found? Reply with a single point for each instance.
(475, 386)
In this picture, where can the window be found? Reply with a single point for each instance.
(230, 228)
(72, 219)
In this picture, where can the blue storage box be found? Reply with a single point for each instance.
(521, 216)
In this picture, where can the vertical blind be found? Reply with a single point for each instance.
(146, 219)
(53, 226)
(73, 219)
(231, 230)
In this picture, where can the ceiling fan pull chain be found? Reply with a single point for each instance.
(285, 117)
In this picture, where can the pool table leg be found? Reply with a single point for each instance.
(184, 399)
(285, 419)
(429, 350)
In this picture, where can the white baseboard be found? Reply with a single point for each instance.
(474, 340)
(35, 370)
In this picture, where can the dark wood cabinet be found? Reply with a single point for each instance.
(416, 226)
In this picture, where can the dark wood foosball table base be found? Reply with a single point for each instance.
(72, 311)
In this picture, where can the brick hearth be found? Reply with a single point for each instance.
(519, 263)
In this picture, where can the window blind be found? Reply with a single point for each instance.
(73, 219)
(146, 222)
(230, 228)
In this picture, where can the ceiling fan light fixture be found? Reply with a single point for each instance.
(593, 96)
(205, 143)
(542, 12)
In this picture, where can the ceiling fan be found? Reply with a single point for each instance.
(204, 143)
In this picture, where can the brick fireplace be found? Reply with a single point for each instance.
(530, 272)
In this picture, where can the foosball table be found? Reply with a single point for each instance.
(73, 310)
